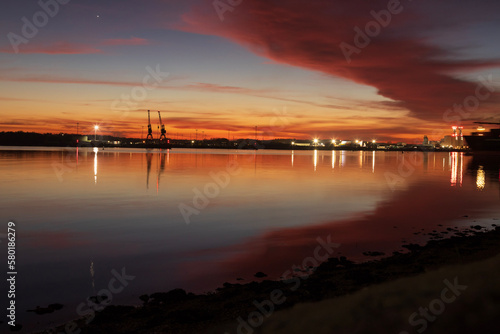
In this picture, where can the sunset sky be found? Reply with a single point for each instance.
(236, 64)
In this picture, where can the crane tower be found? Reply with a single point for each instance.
(162, 129)
(150, 130)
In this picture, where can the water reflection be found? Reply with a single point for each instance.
(315, 159)
(426, 161)
(457, 163)
(480, 178)
(486, 169)
(373, 161)
(160, 170)
(95, 164)
(149, 157)
(162, 159)
(278, 212)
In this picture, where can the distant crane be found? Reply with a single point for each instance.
(162, 130)
(150, 130)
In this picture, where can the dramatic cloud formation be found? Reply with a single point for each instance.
(377, 43)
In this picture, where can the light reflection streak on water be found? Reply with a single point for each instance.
(373, 161)
(315, 159)
(333, 159)
(461, 167)
(480, 178)
(456, 169)
(95, 164)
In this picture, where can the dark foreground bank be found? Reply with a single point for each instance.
(446, 286)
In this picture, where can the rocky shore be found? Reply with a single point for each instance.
(334, 297)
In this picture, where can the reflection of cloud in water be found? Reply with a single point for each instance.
(422, 206)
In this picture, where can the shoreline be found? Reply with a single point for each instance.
(222, 311)
(288, 148)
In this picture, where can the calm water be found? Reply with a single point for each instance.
(81, 214)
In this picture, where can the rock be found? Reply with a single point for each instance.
(173, 296)
(260, 274)
(56, 306)
(16, 328)
(98, 299)
(373, 253)
(144, 298)
(412, 247)
(49, 309)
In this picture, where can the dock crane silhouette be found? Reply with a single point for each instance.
(162, 130)
(150, 130)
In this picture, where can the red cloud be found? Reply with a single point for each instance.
(397, 61)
